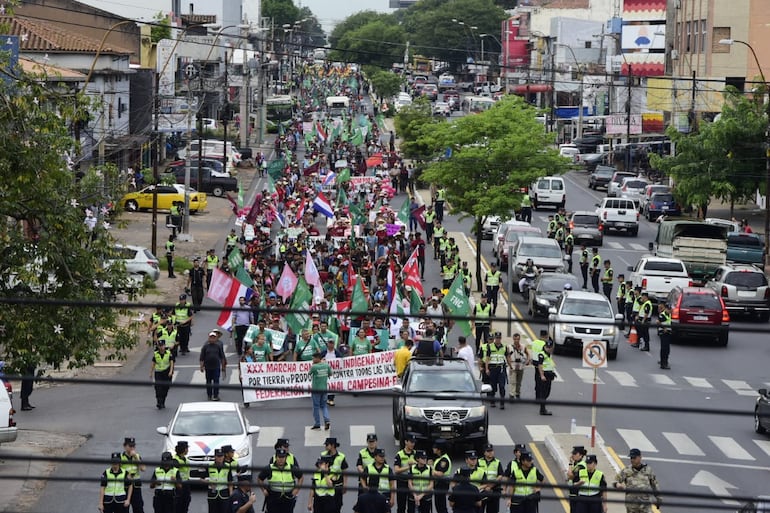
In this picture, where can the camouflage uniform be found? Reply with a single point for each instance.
(639, 482)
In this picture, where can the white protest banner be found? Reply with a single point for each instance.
(360, 180)
(284, 380)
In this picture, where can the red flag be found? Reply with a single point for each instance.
(300, 212)
(419, 214)
(411, 273)
(312, 168)
(374, 160)
(251, 218)
(287, 283)
(233, 203)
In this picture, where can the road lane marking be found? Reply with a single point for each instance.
(315, 437)
(358, 434)
(587, 375)
(198, 378)
(538, 432)
(615, 245)
(634, 438)
(498, 435)
(683, 444)
(662, 379)
(740, 387)
(624, 378)
(268, 435)
(638, 247)
(731, 448)
(764, 445)
(549, 476)
(698, 382)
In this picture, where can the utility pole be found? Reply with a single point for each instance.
(553, 85)
(628, 119)
(155, 165)
(692, 115)
(225, 115)
(245, 99)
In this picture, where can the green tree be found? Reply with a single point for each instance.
(311, 29)
(433, 33)
(386, 83)
(282, 12)
(356, 21)
(494, 155)
(162, 29)
(724, 159)
(379, 43)
(48, 256)
(409, 123)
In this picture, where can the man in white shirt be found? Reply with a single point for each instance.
(465, 352)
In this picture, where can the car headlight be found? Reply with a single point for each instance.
(560, 268)
(411, 411)
(610, 332)
(565, 328)
(477, 411)
(543, 302)
(242, 452)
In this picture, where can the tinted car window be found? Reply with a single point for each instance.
(707, 301)
(557, 185)
(747, 280)
(207, 424)
(664, 266)
(538, 250)
(445, 381)
(543, 184)
(662, 198)
(587, 308)
(555, 284)
(586, 220)
(737, 239)
(636, 184)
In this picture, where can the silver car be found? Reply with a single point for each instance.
(633, 189)
(580, 316)
(546, 255)
(743, 288)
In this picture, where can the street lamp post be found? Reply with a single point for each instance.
(503, 69)
(580, 75)
(767, 139)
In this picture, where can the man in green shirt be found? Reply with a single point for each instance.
(306, 347)
(319, 383)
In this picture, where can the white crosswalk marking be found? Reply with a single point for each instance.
(587, 375)
(358, 434)
(614, 245)
(731, 448)
(538, 432)
(315, 437)
(498, 435)
(638, 247)
(634, 438)
(740, 387)
(235, 378)
(764, 445)
(662, 379)
(698, 382)
(624, 378)
(268, 435)
(198, 378)
(683, 444)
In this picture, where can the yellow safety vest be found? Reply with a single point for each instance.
(591, 483)
(168, 336)
(335, 467)
(367, 458)
(169, 246)
(420, 478)
(218, 477)
(584, 257)
(526, 202)
(537, 347)
(116, 483)
(608, 275)
(182, 313)
(166, 478)
(637, 304)
(665, 319)
(128, 464)
(281, 479)
(493, 278)
(449, 271)
(321, 489)
(429, 217)
(496, 354)
(596, 260)
(232, 240)
(647, 305)
(525, 483)
(183, 465)
(441, 195)
(439, 232)
(477, 477)
(621, 291)
(548, 364)
(482, 314)
(162, 361)
(492, 468)
(212, 261)
(384, 485)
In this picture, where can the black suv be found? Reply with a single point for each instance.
(441, 399)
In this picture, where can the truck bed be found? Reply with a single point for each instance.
(701, 255)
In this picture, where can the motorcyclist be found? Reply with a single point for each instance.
(529, 274)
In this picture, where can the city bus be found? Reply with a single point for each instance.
(337, 106)
(279, 110)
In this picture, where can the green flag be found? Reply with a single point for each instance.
(300, 300)
(240, 194)
(308, 138)
(358, 137)
(380, 119)
(235, 259)
(358, 302)
(343, 176)
(458, 304)
(243, 276)
(270, 184)
(356, 214)
(414, 302)
(275, 169)
(342, 198)
(403, 213)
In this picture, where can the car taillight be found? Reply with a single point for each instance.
(725, 313)
(11, 422)
(690, 283)
(675, 313)
(153, 264)
(601, 227)
(724, 291)
(767, 293)
(644, 283)
(572, 225)
(637, 215)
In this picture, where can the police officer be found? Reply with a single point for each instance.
(115, 487)
(220, 483)
(321, 499)
(526, 209)
(161, 369)
(545, 369)
(280, 484)
(478, 477)
(170, 246)
(620, 296)
(636, 304)
(592, 494)
(638, 480)
(420, 485)
(492, 281)
(337, 467)
(383, 474)
(165, 480)
(183, 314)
(576, 464)
(495, 358)
(195, 283)
(371, 501)
(442, 472)
(366, 457)
(482, 311)
(448, 271)
(231, 241)
(584, 265)
(430, 218)
(291, 459)
(569, 248)
(552, 225)
(131, 462)
(608, 276)
(402, 464)
(560, 233)
(523, 487)
(596, 262)
(467, 278)
(465, 497)
(643, 320)
(230, 459)
(212, 262)
(167, 333)
(242, 500)
(439, 234)
(664, 333)
(439, 202)
(515, 463)
(182, 498)
(493, 468)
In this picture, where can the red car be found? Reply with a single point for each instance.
(698, 312)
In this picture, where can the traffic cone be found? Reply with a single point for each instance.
(633, 337)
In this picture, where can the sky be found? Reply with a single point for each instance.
(328, 12)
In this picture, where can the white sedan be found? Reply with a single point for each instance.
(442, 109)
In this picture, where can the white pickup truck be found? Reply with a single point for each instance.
(619, 214)
(658, 275)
